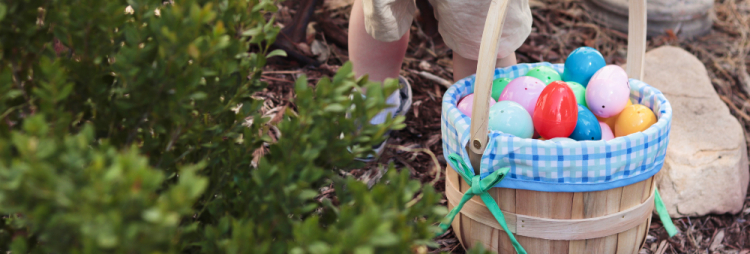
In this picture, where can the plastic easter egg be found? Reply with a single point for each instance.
(635, 118)
(581, 65)
(610, 121)
(587, 127)
(466, 105)
(606, 132)
(556, 111)
(579, 91)
(607, 94)
(610, 72)
(525, 91)
(545, 74)
(498, 85)
(510, 117)
(562, 140)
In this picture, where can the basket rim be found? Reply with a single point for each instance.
(663, 120)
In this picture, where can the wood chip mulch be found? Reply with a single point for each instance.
(560, 26)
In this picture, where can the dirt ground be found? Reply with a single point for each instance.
(317, 49)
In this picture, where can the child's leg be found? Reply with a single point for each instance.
(463, 67)
(381, 60)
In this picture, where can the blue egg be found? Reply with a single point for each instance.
(587, 126)
(581, 64)
(512, 118)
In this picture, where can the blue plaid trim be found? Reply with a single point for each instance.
(553, 166)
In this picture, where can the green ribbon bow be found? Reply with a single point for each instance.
(481, 186)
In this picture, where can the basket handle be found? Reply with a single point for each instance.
(493, 27)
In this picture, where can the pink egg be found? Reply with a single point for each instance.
(608, 91)
(606, 132)
(467, 104)
(525, 91)
(610, 72)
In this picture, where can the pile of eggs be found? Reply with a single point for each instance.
(589, 101)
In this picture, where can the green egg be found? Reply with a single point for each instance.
(545, 74)
(579, 91)
(498, 85)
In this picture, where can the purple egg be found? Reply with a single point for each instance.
(466, 105)
(608, 91)
(525, 91)
(610, 72)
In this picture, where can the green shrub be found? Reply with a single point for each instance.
(138, 136)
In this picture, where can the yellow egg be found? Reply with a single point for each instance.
(610, 121)
(634, 118)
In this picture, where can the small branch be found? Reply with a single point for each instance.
(433, 77)
(734, 107)
(436, 168)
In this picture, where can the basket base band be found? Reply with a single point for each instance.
(555, 229)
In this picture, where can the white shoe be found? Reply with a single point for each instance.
(403, 108)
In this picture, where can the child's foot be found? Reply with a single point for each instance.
(401, 98)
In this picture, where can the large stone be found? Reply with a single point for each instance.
(686, 18)
(706, 167)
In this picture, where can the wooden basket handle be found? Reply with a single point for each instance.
(493, 28)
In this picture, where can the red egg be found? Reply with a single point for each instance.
(556, 111)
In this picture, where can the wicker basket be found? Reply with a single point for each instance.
(576, 197)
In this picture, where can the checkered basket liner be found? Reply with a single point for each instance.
(543, 165)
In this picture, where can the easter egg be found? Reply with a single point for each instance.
(587, 127)
(498, 85)
(562, 140)
(581, 65)
(606, 132)
(610, 72)
(610, 121)
(556, 111)
(635, 118)
(525, 91)
(608, 91)
(545, 74)
(467, 104)
(579, 91)
(510, 117)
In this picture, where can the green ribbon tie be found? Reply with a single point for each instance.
(664, 215)
(480, 187)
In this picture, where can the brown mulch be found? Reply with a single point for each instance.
(559, 27)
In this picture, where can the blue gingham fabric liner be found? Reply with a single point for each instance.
(543, 165)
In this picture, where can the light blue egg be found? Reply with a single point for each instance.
(587, 126)
(562, 140)
(510, 117)
(581, 64)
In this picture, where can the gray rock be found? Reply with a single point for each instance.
(686, 18)
(706, 167)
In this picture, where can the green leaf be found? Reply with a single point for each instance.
(277, 52)
(198, 96)
(3, 11)
(334, 108)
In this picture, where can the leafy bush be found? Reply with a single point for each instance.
(136, 134)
